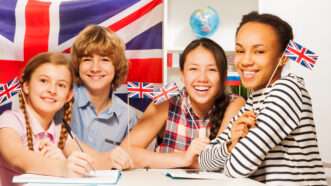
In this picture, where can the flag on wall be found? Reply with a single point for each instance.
(140, 90)
(301, 55)
(28, 27)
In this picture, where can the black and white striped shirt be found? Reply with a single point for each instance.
(282, 148)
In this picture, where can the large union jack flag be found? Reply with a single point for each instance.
(8, 90)
(140, 90)
(28, 27)
(301, 55)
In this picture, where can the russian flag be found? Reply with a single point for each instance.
(233, 79)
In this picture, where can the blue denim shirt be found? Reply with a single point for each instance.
(98, 131)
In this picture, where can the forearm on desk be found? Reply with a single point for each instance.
(145, 158)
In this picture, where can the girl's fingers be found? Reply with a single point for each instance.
(250, 122)
(249, 114)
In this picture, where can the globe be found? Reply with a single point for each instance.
(204, 22)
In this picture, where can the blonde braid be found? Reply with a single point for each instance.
(67, 118)
(27, 122)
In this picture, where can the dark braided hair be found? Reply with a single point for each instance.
(27, 122)
(67, 117)
(222, 100)
(32, 65)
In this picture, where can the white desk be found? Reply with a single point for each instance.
(156, 177)
(153, 177)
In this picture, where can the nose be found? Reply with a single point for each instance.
(246, 60)
(52, 88)
(203, 76)
(95, 65)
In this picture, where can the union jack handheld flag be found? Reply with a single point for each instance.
(301, 55)
(166, 92)
(140, 90)
(8, 90)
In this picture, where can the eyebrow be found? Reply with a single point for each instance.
(46, 76)
(257, 45)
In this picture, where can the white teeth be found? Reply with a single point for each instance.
(249, 74)
(49, 100)
(95, 77)
(201, 88)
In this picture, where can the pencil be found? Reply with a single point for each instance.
(68, 128)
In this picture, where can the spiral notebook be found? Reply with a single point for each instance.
(99, 177)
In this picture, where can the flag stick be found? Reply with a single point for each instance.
(189, 112)
(128, 129)
(269, 81)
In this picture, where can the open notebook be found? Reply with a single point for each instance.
(99, 177)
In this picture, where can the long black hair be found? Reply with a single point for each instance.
(222, 100)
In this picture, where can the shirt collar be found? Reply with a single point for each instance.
(81, 96)
(116, 108)
(83, 100)
(37, 129)
(188, 105)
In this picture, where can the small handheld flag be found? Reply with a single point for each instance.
(233, 79)
(8, 90)
(140, 90)
(301, 55)
(166, 92)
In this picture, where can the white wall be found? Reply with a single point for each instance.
(179, 32)
(312, 28)
(310, 20)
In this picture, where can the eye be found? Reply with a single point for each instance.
(105, 59)
(192, 68)
(239, 51)
(86, 59)
(43, 80)
(213, 69)
(62, 85)
(259, 52)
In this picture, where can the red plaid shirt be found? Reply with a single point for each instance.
(180, 129)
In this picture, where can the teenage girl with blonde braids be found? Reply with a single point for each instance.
(30, 141)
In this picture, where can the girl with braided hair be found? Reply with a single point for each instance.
(37, 144)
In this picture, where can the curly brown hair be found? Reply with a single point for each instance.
(100, 40)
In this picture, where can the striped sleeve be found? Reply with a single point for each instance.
(277, 119)
(216, 153)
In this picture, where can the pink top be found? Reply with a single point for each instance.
(15, 120)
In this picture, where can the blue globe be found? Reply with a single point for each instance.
(204, 22)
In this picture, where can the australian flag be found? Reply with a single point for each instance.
(301, 55)
(28, 27)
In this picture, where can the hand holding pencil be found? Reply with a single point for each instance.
(78, 164)
(84, 158)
